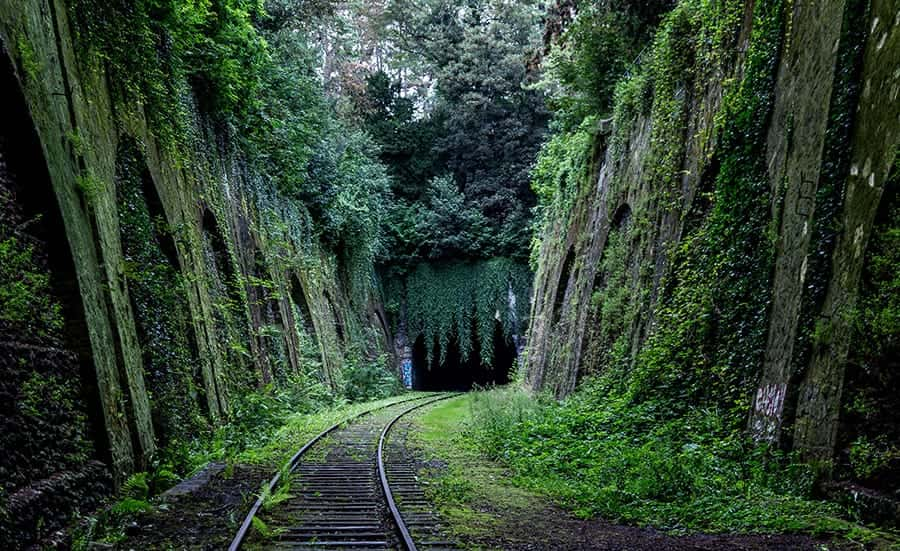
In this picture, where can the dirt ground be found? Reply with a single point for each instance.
(551, 528)
(206, 517)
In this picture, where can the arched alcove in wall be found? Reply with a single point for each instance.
(51, 417)
(227, 300)
(338, 321)
(621, 217)
(610, 294)
(158, 298)
(216, 249)
(562, 284)
(298, 297)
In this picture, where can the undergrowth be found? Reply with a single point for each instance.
(600, 454)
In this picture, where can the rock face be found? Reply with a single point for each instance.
(177, 280)
(717, 235)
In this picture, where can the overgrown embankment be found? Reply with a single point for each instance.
(704, 227)
(498, 465)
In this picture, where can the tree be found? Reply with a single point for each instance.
(461, 111)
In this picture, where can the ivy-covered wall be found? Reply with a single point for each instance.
(194, 280)
(704, 245)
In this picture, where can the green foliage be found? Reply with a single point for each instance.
(601, 454)
(158, 298)
(712, 319)
(28, 60)
(878, 319)
(153, 48)
(450, 225)
(869, 457)
(25, 298)
(562, 164)
(453, 298)
(255, 77)
(129, 507)
(871, 433)
(614, 304)
(459, 127)
(281, 494)
(90, 187)
(368, 379)
(659, 438)
(255, 416)
(594, 52)
(136, 487)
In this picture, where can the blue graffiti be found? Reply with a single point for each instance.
(406, 373)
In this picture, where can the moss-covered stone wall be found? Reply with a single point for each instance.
(195, 280)
(708, 241)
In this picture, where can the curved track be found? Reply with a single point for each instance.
(334, 499)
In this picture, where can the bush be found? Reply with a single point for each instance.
(369, 379)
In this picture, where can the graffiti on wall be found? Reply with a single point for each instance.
(406, 373)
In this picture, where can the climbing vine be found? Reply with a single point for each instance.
(712, 319)
(158, 296)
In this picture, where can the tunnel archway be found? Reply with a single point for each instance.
(444, 370)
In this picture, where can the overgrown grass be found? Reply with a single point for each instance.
(599, 455)
(298, 428)
(474, 496)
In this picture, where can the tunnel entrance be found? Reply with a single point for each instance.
(456, 373)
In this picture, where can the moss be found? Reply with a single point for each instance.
(28, 60)
(158, 296)
(25, 298)
(90, 187)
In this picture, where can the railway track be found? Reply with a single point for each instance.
(344, 494)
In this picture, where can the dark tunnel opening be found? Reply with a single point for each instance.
(456, 373)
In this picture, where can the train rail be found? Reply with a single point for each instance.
(343, 494)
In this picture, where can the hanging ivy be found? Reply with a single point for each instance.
(453, 298)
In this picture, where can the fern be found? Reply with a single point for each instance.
(281, 494)
(136, 487)
(262, 528)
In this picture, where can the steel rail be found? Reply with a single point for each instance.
(405, 536)
(295, 460)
